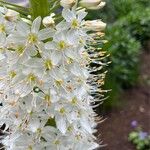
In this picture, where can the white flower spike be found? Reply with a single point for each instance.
(46, 100)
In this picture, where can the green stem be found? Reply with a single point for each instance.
(54, 8)
(14, 5)
(39, 8)
(21, 10)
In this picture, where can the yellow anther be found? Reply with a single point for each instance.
(57, 142)
(48, 99)
(62, 45)
(62, 110)
(74, 101)
(2, 28)
(58, 83)
(12, 74)
(48, 64)
(75, 23)
(32, 38)
(20, 49)
(31, 78)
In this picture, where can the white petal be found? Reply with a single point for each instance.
(23, 28)
(45, 34)
(36, 25)
(61, 124)
(50, 45)
(68, 15)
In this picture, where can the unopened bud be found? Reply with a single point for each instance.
(90, 3)
(101, 5)
(67, 3)
(11, 15)
(95, 25)
(49, 21)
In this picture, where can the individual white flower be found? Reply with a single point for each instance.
(73, 19)
(30, 35)
(6, 27)
(62, 44)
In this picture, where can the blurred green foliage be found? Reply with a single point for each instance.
(123, 71)
(138, 24)
(128, 27)
(124, 52)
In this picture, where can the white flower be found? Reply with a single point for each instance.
(30, 35)
(6, 27)
(73, 19)
(46, 101)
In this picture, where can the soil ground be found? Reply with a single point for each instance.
(136, 106)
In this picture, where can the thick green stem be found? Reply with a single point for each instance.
(39, 8)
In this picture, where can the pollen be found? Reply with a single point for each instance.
(75, 23)
(39, 131)
(74, 101)
(32, 38)
(31, 78)
(62, 45)
(48, 99)
(2, 28)
(58, 83)
(69, 61)
(57, 142)
(48, 64)
(62, 110)
(12, 74)
(20, 49)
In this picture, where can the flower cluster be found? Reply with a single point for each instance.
(44, 95)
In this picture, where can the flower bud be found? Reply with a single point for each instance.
(49, 21)
(95, 25)
(101, 5)
(11, 15)
(90, 3)
(67, 3)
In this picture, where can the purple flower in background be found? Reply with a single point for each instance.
(143, 135)
(134, 123)
(19, 2)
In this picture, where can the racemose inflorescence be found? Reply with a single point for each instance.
(46, 101)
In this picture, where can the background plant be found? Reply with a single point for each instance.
(127, 30)
(138, 137)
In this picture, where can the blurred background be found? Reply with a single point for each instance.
(127, 109)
